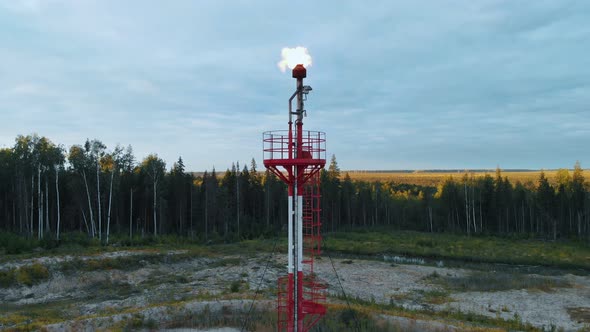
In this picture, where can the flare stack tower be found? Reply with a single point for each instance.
(296, 156)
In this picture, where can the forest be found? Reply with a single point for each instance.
(47, 190)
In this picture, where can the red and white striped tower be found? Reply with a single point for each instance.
(296, 156)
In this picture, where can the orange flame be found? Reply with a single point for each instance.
(292, 57)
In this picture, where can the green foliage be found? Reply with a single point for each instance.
(109, 289)
(136, 241)
(32, 274)
(235, 286)
(14, 244)
(514, 324)
(449, 246)
(27, 275)
(245, 204)
(429, 243)
(226, 262)
(80, 239)
(7, 278)
(345, 319)
(118, 263)
(48, 243)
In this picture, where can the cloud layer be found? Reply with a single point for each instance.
(446, 84)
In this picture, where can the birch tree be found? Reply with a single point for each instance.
(127, 167)
(56, 160)
(154, 167)
(44, 152)
(79, 160)
(110, 164)
(37, 162)
(97, 150)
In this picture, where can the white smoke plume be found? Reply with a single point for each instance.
(291, 57)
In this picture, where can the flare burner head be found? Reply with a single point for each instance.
(299, 72)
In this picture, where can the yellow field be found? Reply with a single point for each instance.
(434, 178)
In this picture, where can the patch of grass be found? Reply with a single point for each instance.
(7, 278)
(12, 319)
(352, 319)
(125, 263)
(432, 296)
(470, 319)
(27, 275)
(78, 264)
(235, 286)
(33, 317)
(134, 323)
(14, 244)
(400, 297)
(32, 274)
(181, 279)
(486, 249)
(232, 261)
(429, 243)
(18, 247)
(112, 289)
(337, 319)
(436, 296)
(580, 314)
(497, 281)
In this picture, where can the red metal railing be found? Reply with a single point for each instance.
(276, 145)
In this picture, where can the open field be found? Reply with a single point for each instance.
(433, 178)
(426, 282)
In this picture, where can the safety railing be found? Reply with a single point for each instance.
(276, 145)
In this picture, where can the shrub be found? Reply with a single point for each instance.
(348, 317)
(7, 278)
(15, 244)
(235, 286)
(49, 243)
(32, 274)
(428, 243)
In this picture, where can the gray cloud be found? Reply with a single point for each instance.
(446, 84)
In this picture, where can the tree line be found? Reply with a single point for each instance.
(46, 189)
(468, 203)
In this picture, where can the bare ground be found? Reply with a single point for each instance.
(87, 298)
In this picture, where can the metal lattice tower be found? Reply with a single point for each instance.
(296, 157)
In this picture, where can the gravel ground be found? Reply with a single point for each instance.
(369, 279)
(545, 309)
(98, 292)
(403, 285)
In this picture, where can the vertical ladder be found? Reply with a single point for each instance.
(284, 297)
(314, 291)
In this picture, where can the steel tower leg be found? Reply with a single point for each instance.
(290, 312)
(299, 285)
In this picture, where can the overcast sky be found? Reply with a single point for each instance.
(396, 85)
